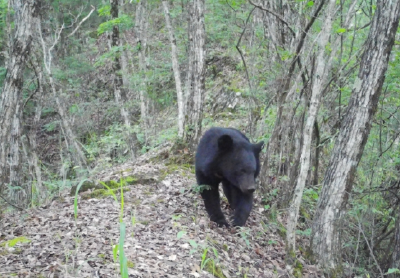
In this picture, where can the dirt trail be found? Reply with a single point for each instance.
(167, 235)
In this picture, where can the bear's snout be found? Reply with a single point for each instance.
(250, 190)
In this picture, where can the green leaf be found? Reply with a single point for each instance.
(393, 270)
(76, 198)
(310, 3)
(104, 11)
(73, 109)
(193, 243)
(115, 252)
(180, 234)
(341, 30)
(123, 262)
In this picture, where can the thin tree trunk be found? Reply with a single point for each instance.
(177, 74)
(189, 71)
(78, 156)
(141, 23)
(297, 46)
(353, 135)
(322, 69)
(37, 176)
(119, 90)
(25, 14)
(396, 251)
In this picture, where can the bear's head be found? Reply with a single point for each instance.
(239, 162)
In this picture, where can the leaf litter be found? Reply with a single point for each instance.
(168, 234)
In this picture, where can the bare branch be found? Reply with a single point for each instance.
(15, 206)
(275, 14)
(83, 20)
(370, 249)
(240, 52)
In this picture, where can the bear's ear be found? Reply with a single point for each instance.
(225, 143)
(259, 146)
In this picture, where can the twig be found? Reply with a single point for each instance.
(275, 14)
(370, 250)
(83, 20)
(240, 52)
(15, 206)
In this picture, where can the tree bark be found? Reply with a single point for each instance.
(197, 78)
(26, 12)
(177, 74)
(30, 145)
(141, 24)
(14, 160)
(396, 252)
(319, 82)
(353, 135)
(119, 90)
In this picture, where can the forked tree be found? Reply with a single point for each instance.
(353, 135)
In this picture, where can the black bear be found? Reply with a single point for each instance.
(226, 155)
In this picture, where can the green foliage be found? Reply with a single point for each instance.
(15, 241)
(124, 22)
(180, 234)
(3, 25)
(51, 126)
(393, 271)
(209, 263)
(108, 56)
(105, 10)
(201, 187)
(341, 30)
(74, 69)
(76, 198)
(244, 234)
(3, 72)
(123, 262)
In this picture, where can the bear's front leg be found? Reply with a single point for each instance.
(213, 206)
(243, 206)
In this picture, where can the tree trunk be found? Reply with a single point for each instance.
(319, 82)
(353, 135)
(197, 77)
(283, 133)
(141, 23)
(77, 156)
(396, 252)
(18, 196)
(119, 90)
(32, 155)
(177, 74)
(25, 14)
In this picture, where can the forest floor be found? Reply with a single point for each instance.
(168, 233)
